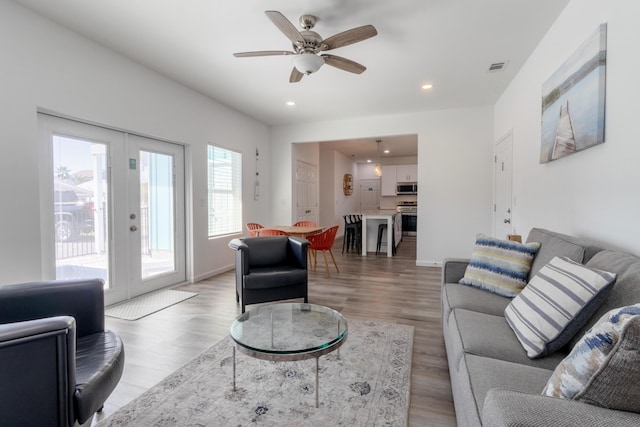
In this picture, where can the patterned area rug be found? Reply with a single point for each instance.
(145, 305)
(367, 386)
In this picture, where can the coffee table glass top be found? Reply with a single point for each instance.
(289, 329)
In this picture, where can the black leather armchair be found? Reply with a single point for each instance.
(58, 364)
(270, 269)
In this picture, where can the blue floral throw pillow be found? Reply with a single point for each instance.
(604, 366)
(500, 266)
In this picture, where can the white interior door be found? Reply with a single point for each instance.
(503, 181)
(118, 208)
(369, 195)
(306, 192)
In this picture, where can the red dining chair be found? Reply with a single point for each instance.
(305, 224)
(323, 242)
(251, 227)
(270, 232)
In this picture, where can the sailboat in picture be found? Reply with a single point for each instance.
(565, 142)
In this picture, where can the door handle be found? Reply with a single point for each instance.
(507, 221)
(133, 228)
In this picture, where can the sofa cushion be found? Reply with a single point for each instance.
(557, 302)
(499, 266)
(487, 373)
(626, 290)
(554, 244)
(455, 295)
(490, 336)
(267, 251)
(604, 367)
(270, 277)
(99, 366)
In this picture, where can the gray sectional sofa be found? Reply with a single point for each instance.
(493, 381)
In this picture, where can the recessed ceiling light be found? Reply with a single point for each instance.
(368, 160)
(427, 86)
(386, 151)
(291, 104)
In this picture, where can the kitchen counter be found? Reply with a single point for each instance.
(370, 222)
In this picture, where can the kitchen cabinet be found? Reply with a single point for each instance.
(392, 174)
(407, 173)
(388, 180)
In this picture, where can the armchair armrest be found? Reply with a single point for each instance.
(242, 256)
(298, 251)
(81, 299)
(504, 408)
(453, 269)
(238, 245)
(38, 371)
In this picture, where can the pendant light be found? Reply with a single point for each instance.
(378, 169)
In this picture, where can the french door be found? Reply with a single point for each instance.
(118, 208)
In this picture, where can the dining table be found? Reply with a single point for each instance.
(292, 230)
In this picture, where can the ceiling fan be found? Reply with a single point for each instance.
(308, 45)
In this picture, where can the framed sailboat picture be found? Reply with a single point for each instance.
(573, 101)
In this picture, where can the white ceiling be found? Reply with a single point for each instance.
(449, 43)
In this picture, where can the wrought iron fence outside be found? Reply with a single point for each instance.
(85, 244)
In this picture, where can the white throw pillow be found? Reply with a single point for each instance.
(555, 304)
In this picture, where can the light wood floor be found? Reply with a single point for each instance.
(372, 287)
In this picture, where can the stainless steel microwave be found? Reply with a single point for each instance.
(406, 188)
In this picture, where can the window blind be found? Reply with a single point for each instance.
(225, 190)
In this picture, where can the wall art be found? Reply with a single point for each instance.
(573, 101)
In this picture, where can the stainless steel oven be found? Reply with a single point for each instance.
(409, 211)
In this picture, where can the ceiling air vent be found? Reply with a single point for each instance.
(497, 66)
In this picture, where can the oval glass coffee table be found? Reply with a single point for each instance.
(287, 332)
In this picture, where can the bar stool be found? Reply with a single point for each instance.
(356, 242)
(350, 233)
(381, 229)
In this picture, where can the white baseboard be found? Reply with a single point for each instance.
(428, 263)
(212, 273)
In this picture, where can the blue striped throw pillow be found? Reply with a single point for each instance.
(556, 303)
(499, 266)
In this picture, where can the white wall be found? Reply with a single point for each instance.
(46, 66)
(343, 204)
(594, 193)
(455, 151)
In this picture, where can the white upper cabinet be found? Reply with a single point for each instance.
(407, 173)
(388, 181)
(392, 174)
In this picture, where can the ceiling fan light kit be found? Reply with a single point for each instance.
(307, 46)
(308, 63)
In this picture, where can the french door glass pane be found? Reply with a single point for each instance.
(81, 212)
(157, 221)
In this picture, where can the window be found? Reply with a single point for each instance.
(224, 168)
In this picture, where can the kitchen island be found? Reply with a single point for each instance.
(370, 222)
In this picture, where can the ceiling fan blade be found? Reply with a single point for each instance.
(263, 53)
(351, 36)
(344, 64)
(284, 25)
(296, 76)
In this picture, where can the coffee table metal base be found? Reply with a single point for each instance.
(287, 332)
(317, 374)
